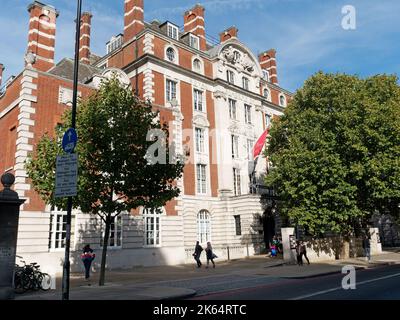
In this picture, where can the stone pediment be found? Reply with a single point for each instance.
(201, 121)
(236, 54)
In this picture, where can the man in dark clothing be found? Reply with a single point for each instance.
(303, 252)
(197, 252)
(299, 253)
(367, 247)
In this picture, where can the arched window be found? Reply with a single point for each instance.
(203, 226)
(171, 56)
(282, 100)
(152, 231)
(197, 65)
(266, 93)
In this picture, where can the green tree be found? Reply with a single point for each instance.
(336, 152)
(116, 172)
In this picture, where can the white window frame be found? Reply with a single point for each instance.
(268, 96)
(196, 94)
(232, 109)
(155, 214)
(235, 146)
(167, 57)
(55, 233)
(119, 220)
(247, 113)
(204, 227)
(250, 147)
(172, 31)
(201, 179)
(200, 139)
(230, 76)
(246, 83)
(265, 75)
(268, 120)
(237, 182)
(196, 43)
(284, 100)
(168, 89)
(200, 70)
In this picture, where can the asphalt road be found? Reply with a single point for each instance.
(382, 283)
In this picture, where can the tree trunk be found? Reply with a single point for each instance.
(104, 254)
(345, 254)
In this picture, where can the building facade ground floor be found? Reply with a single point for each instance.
(234, 225)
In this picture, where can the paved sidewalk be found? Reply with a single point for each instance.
(180, 282)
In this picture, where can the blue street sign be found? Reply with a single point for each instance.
(69, 140)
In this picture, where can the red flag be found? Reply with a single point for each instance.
(260, 144)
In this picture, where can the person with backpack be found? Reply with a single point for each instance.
(87, 259)
(197, 253)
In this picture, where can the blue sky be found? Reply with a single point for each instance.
(307, 34)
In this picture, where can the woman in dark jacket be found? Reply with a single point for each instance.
(210, 254)
(87, 259)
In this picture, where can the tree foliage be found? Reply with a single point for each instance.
(336, 152)
(115, 175)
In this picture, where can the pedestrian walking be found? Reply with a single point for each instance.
(87, 259)
(197, 253)
(210, 255)
(367, 247)
(304, 252)
(299, 253)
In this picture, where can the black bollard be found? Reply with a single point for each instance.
(9, 217)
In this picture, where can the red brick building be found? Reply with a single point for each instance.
(217, 99)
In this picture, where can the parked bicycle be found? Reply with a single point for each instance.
(29, 277)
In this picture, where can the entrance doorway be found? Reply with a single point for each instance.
(269, 227)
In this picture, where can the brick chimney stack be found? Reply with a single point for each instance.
(42, 35)
(194, 23)
(133, 18)
(267, 61)
(84, 42)
(1, 73)
(229, 33)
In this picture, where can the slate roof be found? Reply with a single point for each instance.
(65, 69)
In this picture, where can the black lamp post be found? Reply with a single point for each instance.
(67, 266)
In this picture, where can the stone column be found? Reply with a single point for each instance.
(289, 255)
(9, 218)
(376, 245)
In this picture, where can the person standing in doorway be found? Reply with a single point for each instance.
(210, 255)
(197, 253)
(87, 259)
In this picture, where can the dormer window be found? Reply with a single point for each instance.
(194, 41)
(172, 31)
(114, 43)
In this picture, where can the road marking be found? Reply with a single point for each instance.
(338, 288)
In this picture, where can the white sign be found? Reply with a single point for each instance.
(67, 176)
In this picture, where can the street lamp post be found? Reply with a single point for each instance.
(67, 266)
